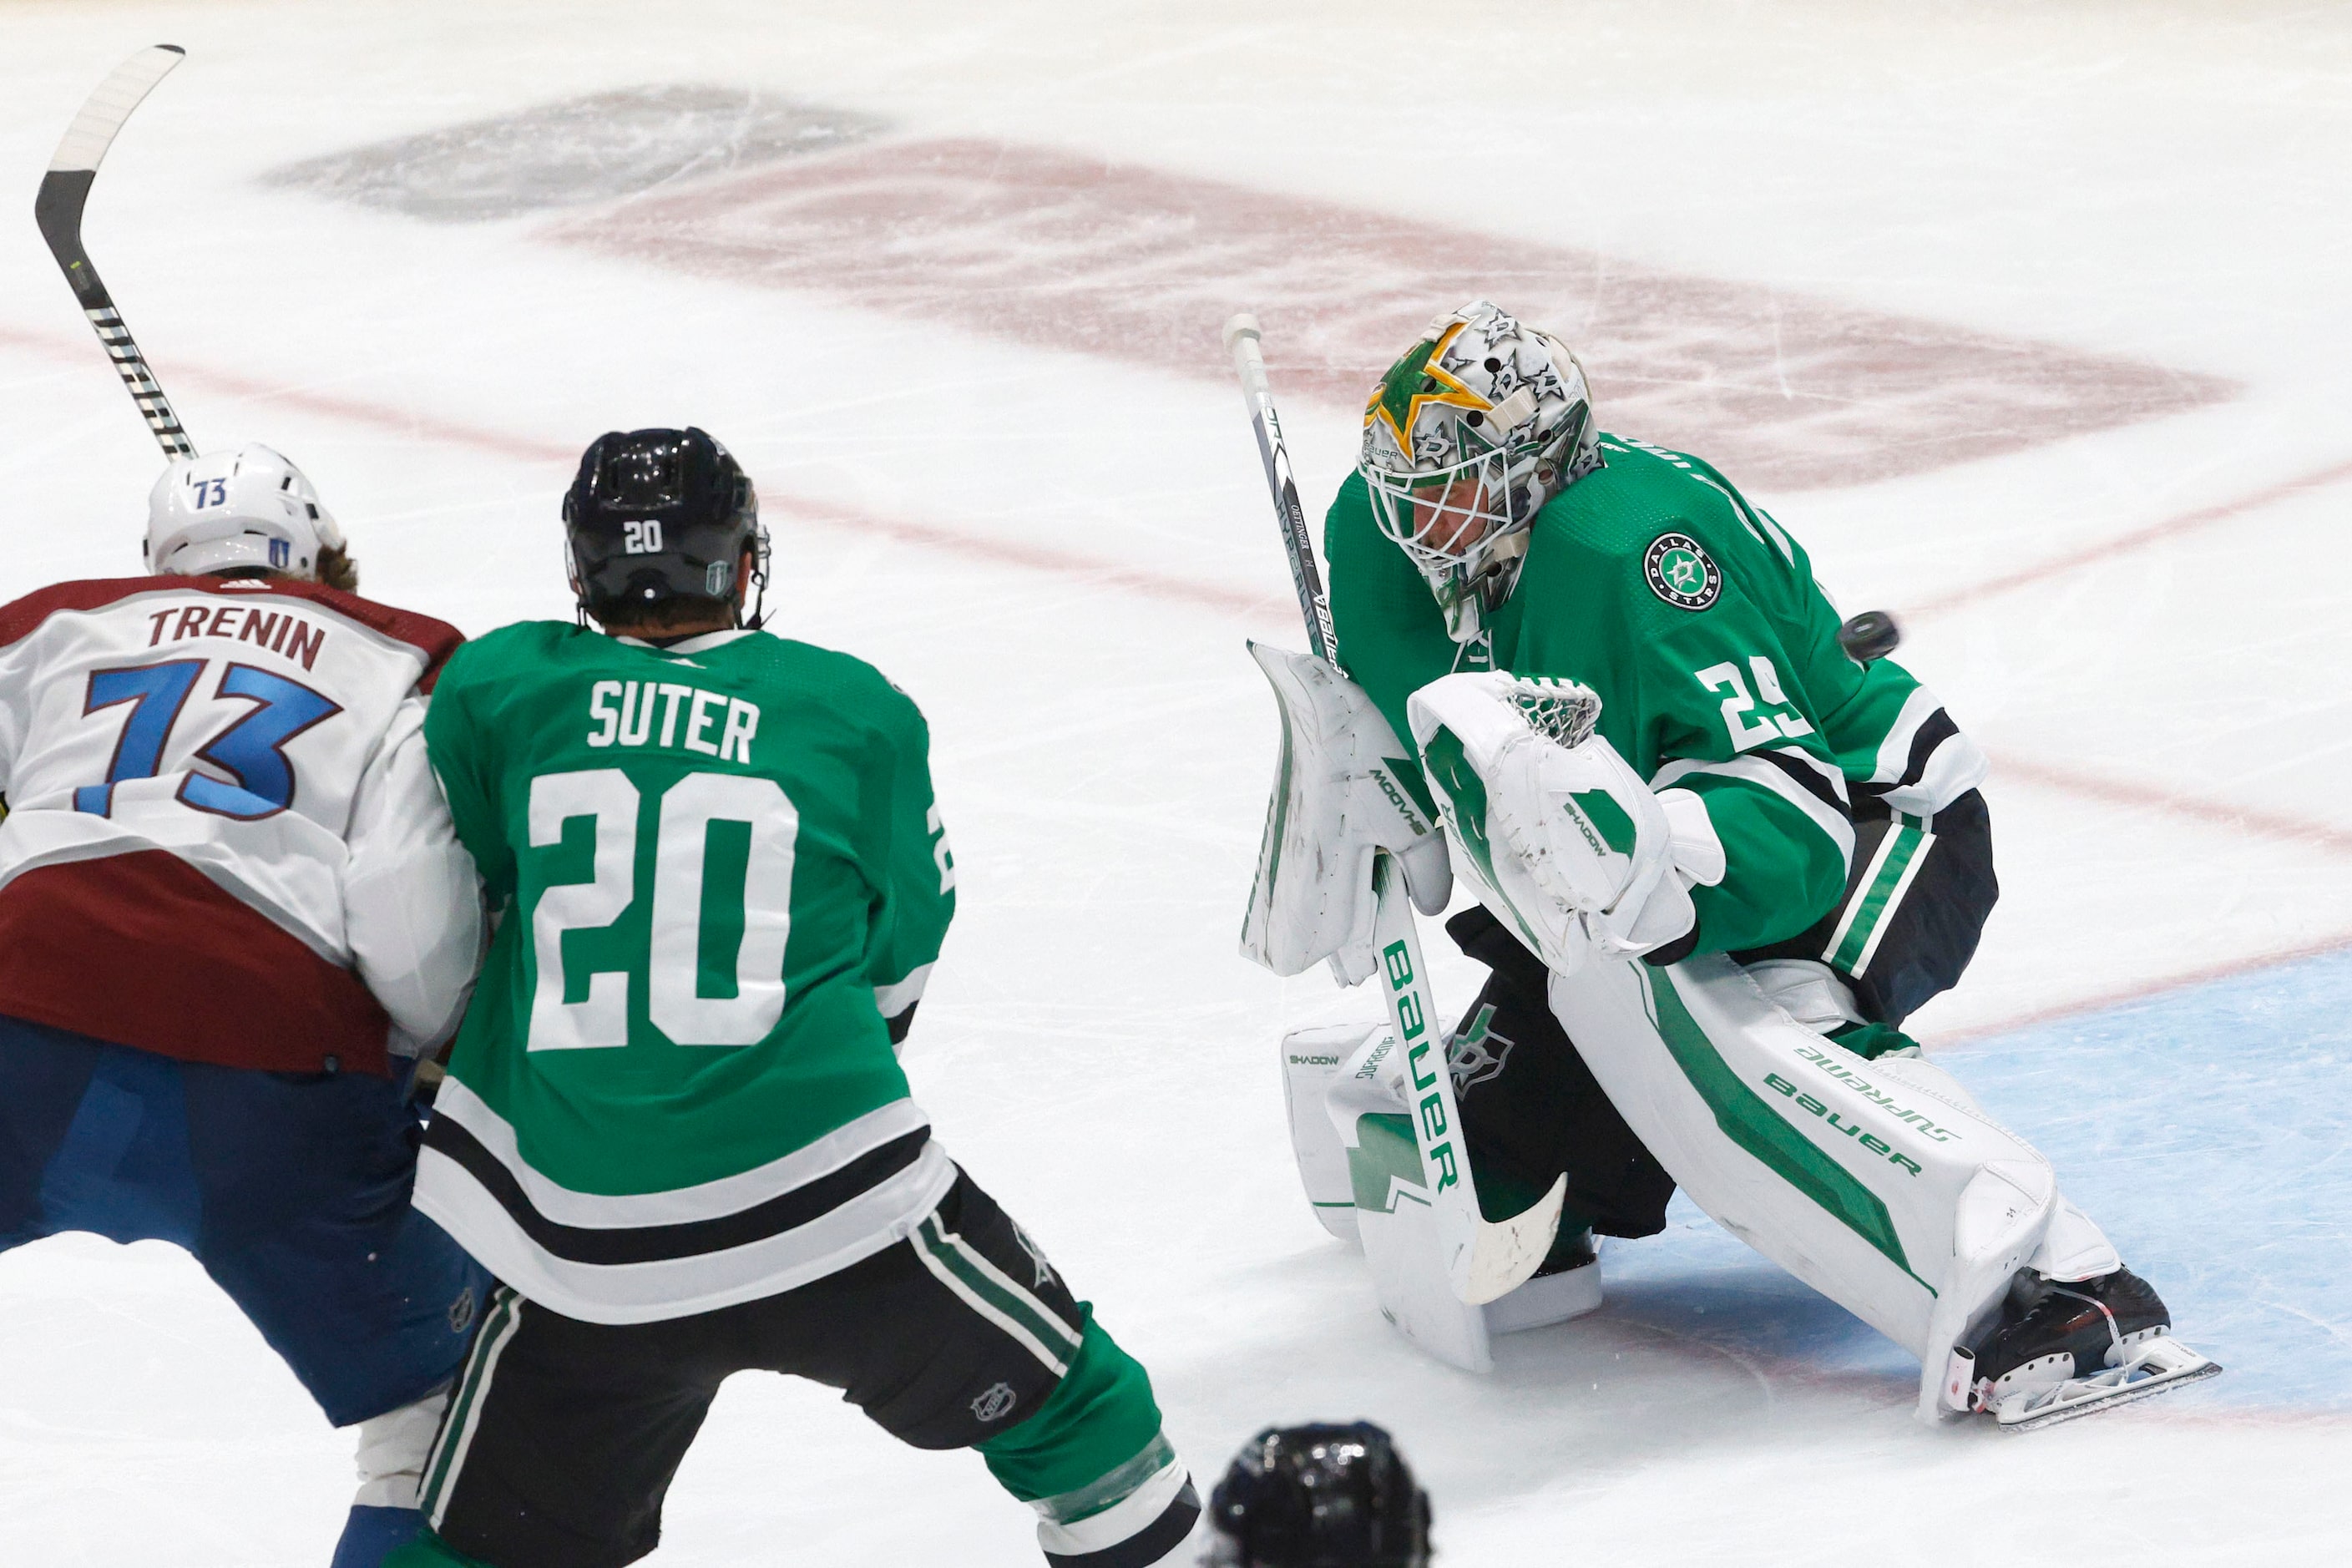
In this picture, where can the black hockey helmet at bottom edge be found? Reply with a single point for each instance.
(1320, 1494)
(659, 514)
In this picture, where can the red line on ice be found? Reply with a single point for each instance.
(2136, 539)
(362, 411)
(2141, 991)
(2247, 819)
(524, 448)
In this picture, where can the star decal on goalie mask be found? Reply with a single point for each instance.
(1417, 381)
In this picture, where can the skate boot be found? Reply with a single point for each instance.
(2063, 1349)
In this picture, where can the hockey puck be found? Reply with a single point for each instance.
(1872, 635)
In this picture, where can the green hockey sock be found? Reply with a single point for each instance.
(429, 1550)
(1100, 1418)
(1872, 1040)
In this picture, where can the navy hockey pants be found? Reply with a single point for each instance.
(291, 1189)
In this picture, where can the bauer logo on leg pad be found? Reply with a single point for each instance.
(1876, 1145)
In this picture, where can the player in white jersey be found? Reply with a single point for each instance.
(232, 915)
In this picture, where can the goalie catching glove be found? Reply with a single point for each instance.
(1557, 835)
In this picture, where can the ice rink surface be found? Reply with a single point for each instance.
(2028, 319)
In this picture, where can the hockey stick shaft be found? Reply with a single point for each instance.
(1242, 335)
(57, 209)
(1482, 1260)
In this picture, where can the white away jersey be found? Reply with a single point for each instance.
(224, 842)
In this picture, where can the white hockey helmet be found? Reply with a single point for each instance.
(246, 507)
(1466, 437)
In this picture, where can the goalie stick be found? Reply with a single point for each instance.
(57, 209)
(1484, 1259)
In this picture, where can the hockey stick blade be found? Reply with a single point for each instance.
(2156, 1366)
(57, 209)
(1509, 1252)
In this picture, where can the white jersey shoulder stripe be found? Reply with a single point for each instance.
(1767, 774)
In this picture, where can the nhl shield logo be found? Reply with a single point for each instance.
(993, 1405)
(1682, 574)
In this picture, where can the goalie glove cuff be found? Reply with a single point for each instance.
(1560, 839)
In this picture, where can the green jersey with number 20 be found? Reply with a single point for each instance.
(1695, 619)
(720, 882)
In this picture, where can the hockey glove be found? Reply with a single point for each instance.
(1559, 836)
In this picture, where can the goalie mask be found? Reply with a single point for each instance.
(244, 511)
(1319, 1496)
(1466, 437)
(661, 515)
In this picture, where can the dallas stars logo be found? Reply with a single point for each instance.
(1417, 381)
(1682, 574)
(1045, 1275)
(1477, 1053)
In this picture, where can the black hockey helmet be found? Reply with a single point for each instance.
(661, 514)
(1322, 1495)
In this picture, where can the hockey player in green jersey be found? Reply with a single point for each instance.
(675, 1125)
(1580, 630)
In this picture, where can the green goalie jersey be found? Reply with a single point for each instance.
(720, 883)
(1696, 619)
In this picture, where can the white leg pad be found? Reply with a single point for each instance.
(1370, 1111)
(2074, 1247)
(392, 1452)
(1878, 1184)
(1310, 1062)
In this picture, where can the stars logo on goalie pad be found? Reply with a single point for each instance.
(1682, 574)
(1476, 1053)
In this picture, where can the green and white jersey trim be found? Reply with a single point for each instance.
(1813, 786)
(1924, 763)
(892, 1000)
(643, 1257)
(679, 1205)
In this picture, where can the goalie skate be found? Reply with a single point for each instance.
(2061, 1350)
(2153, 1366)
